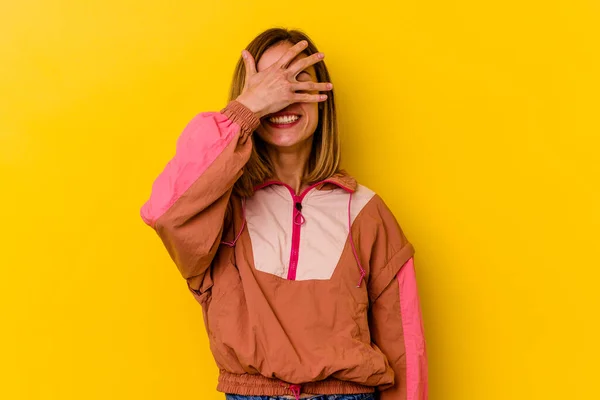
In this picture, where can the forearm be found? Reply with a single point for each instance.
(397, 329)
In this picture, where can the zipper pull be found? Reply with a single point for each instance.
(298, 213)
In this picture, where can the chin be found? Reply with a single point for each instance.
(282, 139)
(282, 142)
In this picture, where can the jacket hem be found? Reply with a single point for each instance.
(259, 385)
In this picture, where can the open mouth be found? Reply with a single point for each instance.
(285, 121)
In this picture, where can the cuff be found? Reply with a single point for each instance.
(241, 115)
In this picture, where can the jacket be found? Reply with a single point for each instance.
(309, 293)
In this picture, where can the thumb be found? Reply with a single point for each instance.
(249, 63)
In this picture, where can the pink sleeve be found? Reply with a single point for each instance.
(198, 146)
(189, 198)
(397, 329)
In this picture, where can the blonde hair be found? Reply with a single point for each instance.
(324, 160)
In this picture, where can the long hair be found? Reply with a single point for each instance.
(324, 159)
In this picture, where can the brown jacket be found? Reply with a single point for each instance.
(304, 293)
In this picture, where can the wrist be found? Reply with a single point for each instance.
(242, 115)
(250, 104)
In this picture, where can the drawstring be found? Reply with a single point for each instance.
(231, 244)
(362, 271)
(294, 388)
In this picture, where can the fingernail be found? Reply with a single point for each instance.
(323, 96)
(243, 54)
(329, 85)
(320, 55)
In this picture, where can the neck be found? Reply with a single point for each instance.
(290, 164)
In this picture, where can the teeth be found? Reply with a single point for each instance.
(287, 119)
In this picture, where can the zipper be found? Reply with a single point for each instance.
(293, 266)
(296, 223)
(296, 226)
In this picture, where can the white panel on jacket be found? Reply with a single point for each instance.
(322, 236)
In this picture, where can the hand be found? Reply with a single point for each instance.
(274, 88)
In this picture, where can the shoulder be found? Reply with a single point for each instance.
(381, 239)
(379, 227)
(371, 207)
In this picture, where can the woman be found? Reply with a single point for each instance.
(306, 280)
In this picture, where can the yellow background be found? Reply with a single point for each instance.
(476, 121)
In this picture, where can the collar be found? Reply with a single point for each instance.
(340, 179)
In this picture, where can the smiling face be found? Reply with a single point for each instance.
(289, 131)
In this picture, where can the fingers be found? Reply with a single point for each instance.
(291, 54)
(249, 63)
(308, 98)
(303, 63)
(312, 86)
